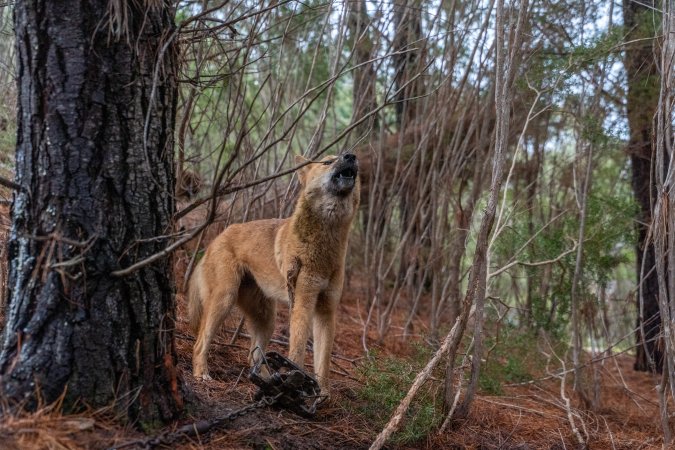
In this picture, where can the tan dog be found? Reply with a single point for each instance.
(257, 263)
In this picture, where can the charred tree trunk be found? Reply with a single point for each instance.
(94, 160)
(642, 101)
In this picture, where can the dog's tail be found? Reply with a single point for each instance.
(194, 305)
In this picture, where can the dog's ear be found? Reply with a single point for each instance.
(302, 172)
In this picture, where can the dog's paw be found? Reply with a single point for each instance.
(202, 375)
(327, 400)
(325, 395)
(265, 372)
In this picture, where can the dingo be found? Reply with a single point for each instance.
(257, 263)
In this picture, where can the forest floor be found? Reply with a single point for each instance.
(529, 414)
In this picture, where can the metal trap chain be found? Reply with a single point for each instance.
(287, 386)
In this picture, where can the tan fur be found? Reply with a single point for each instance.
(258, 263)
(194, 300)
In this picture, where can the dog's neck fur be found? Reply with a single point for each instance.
(323, 224)
(322, 228)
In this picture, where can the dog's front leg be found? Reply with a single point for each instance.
(306, 293)
(324, 335)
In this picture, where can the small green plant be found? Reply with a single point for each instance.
(386, 381)
(514, 358)
(489, 384)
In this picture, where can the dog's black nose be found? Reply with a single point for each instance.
(349, 157)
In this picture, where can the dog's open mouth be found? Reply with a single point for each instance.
(347, 173)
(343, 178)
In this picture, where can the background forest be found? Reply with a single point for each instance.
(516, 177)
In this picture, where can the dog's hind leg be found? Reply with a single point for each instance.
(218, 299)
(260, 313)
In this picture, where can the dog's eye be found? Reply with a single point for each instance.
(328, 163)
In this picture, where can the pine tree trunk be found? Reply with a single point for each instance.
(95, 160)
(408, 39)
(363, 93)
(642, 101)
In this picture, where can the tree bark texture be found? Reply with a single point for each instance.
(642, 102)
(408, 39)
(365, 78)
(94, 159)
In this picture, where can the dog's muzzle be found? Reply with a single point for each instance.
(345, 171)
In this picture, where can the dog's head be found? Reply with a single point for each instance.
(331, 184)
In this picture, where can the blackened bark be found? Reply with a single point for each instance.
(642, 101)
(97, 183)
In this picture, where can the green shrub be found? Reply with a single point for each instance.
(513, 358)
(385, 382)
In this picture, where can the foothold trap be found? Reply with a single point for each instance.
(293, 388)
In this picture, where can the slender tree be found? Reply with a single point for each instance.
(408, 41)
(365, 78)
(94, 165)
(641, 104)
